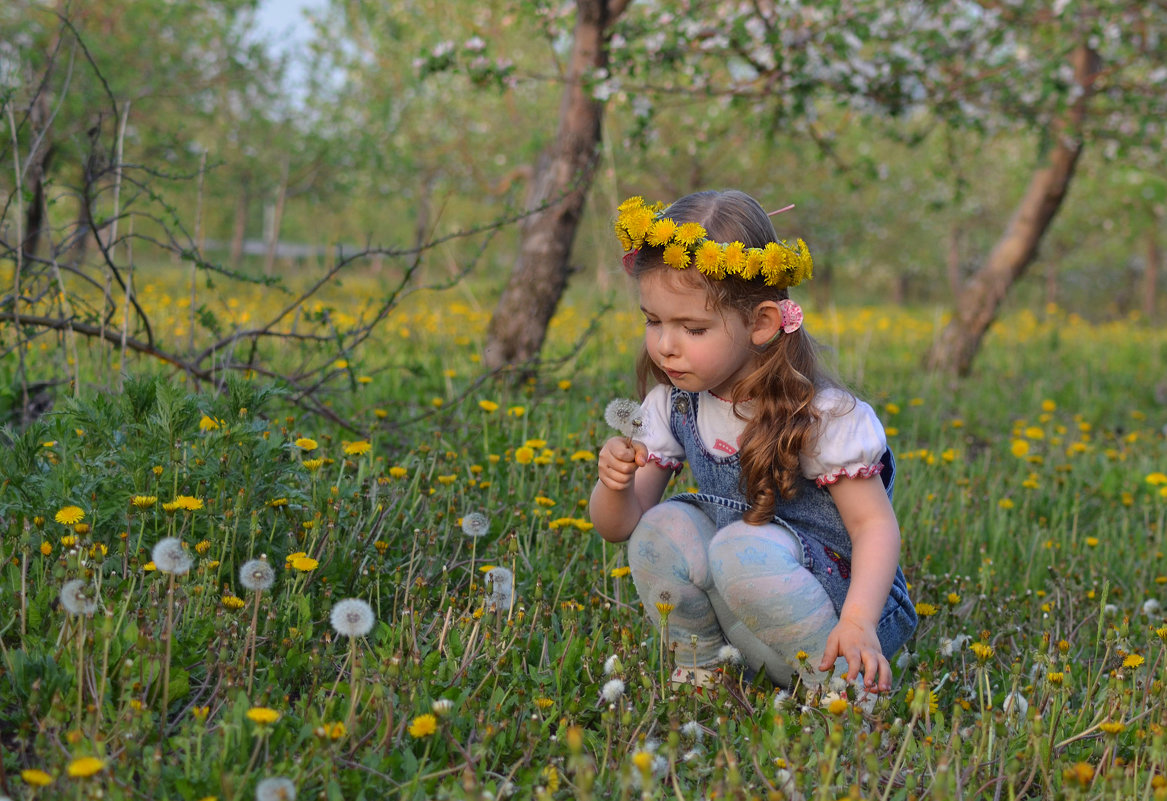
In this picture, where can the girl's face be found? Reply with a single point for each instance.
(698, 347)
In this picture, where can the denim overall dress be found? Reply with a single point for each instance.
(811, 515)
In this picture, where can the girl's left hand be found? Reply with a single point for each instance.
(856, 641)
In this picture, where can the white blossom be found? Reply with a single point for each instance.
(170, 557)
(612, 691)
(352, 617)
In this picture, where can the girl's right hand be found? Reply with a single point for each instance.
(618, 462)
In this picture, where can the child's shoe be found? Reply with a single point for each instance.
(702, 678)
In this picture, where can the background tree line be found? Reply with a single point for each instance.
(936, 152)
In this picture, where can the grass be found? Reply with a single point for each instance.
(1032, 498)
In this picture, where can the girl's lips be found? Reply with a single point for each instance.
(674, 373)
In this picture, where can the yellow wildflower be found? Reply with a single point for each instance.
(84, 767)
(36, 778)
(306, 444)
(69, 515)
(262, 715)
(423, 726)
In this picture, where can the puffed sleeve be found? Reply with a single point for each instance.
(658, 438)
(851, 440)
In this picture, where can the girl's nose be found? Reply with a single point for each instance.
(666, 343)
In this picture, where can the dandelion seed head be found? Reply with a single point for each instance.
(624, 415)
(257, 575)
(475, 524)
(275, 788)
(612, 665)
(442, 707)
(169, 556)
(612, 691)
(1152, 607)
(729, 654)
(1015, 704)
(352, 617)
(692, 730)
(78, 598)
(838, 685)
(502, 587)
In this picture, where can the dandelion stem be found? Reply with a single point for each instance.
(167, 635)
(251, 641)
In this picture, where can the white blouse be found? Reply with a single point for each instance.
(850, 443)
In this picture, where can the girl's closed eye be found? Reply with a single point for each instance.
(695, 331)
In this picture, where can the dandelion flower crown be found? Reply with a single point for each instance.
(687, 244)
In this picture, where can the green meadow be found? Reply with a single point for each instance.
(1032, 497)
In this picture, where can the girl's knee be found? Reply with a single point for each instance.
(741, 547)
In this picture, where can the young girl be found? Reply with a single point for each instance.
(789, 547)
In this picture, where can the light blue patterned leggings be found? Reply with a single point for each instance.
(743, 585)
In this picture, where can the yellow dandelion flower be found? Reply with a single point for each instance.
(1019, 448)
(953, 599)
(660, 233)
(84, 767)
(664, 607)
(516, 411)
(689, 233)
(1132, 661)
(982, 650)
(838, 706)
(189, 503)
(1033, 432)
(233, 602)
(312, 465)
(304, 563)
(1113, 726)
(583, 456)
(643, 761)
(733, 258)
(46, 548)
(69, 515)
(524, 455)
(358, 448)
(143, 501)
(398, 472)
(926, 610)
(753, 264)
(306, 444)
(544, 702)
(621, 572)
(1092, 542)
(208, 424)
(262, 715)
(708, 259)
(564, 384)
(676, 256)
(1005, 503)
(36, 778)
(802, 656)
(636, 222)
(423, 726)
(488, 406)
(1056, 677)
(1157, 479)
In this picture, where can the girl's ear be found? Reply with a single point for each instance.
(767, 323)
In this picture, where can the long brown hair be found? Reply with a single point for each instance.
(782, 419)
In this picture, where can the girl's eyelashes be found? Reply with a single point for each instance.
(695, 331)
(649, 322)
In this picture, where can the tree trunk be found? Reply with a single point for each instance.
(239, 229)
(562, 178)
(273, 242)
(983, 293)
(1151, 273)
(952, 263)
(35, 171)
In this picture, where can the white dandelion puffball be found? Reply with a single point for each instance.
(352, 617)
(78, 598)
(612, 690)
(612, 665)
(1152, 607)
(729, 654)
(170, 557)
(475, 525)
(625, 416)
(442, 707)
(1015, 704)
(257, 575)
(502, 587)
(275, 788)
